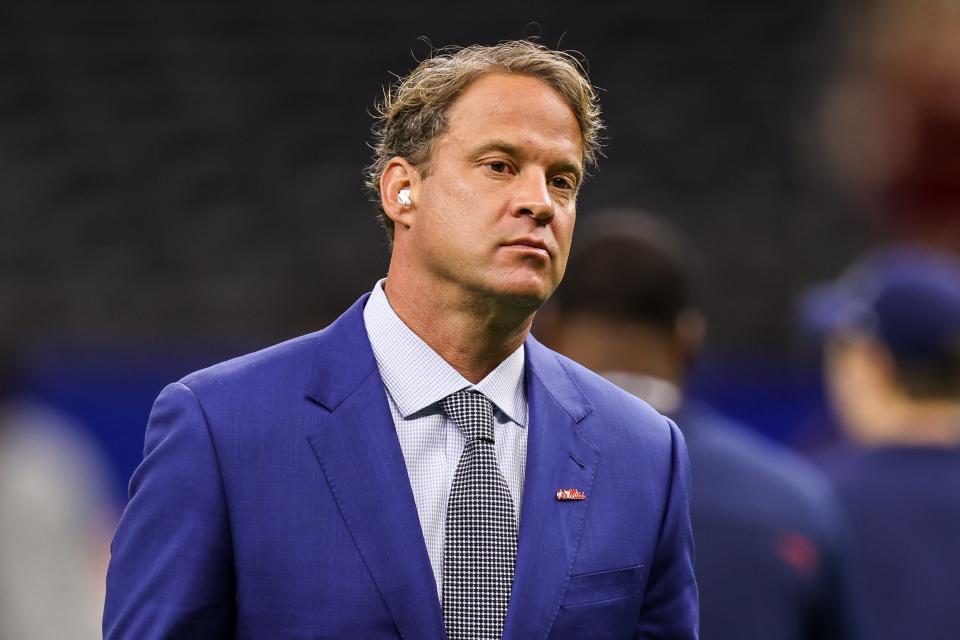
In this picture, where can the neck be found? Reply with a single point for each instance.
(940, 424)
(662, 395)
(875, 409)
(473, 334)
(605, 344)
(929, 423)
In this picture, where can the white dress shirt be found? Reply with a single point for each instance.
(416, 379)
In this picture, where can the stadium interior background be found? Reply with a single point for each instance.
(182, 180)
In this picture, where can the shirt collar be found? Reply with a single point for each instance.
(416, 377)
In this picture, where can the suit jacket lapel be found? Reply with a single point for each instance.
(559, 456)
(357, 448)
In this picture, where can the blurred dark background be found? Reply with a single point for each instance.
(182, 180)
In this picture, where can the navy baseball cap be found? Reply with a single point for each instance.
(908, 298)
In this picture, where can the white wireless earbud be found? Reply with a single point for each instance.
(403, 197)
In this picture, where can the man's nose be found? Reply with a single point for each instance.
(533, 197)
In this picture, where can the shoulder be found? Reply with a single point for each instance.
(241, 395)
(895, 471)
(736, 465)
(755, 454)
(277, 364)
(333, 352)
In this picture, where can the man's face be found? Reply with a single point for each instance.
(494, 217)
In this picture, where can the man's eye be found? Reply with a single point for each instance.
(561, 183)
(498, 166)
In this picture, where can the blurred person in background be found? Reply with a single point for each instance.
(55, 521)
(890, 122)
(770, 545)
(892, 369)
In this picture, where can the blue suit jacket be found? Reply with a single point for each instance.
(273, 502)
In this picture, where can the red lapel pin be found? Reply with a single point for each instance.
(570, 494)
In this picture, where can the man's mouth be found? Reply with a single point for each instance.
(533, 244)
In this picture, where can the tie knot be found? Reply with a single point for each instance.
(472, 412)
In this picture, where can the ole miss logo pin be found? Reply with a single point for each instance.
(570, 494)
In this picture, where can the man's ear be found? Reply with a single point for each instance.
(399, 185)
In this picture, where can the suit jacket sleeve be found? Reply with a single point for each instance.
(171, 572)
(670, 607)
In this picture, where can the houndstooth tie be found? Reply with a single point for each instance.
(480, 543)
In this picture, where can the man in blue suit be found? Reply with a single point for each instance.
(423, 468)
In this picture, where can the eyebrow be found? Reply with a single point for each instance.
(515, 151)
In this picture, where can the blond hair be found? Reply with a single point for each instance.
(413, 112)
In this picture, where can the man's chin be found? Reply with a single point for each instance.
(529, 296)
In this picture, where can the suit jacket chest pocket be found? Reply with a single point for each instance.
(602, 604)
